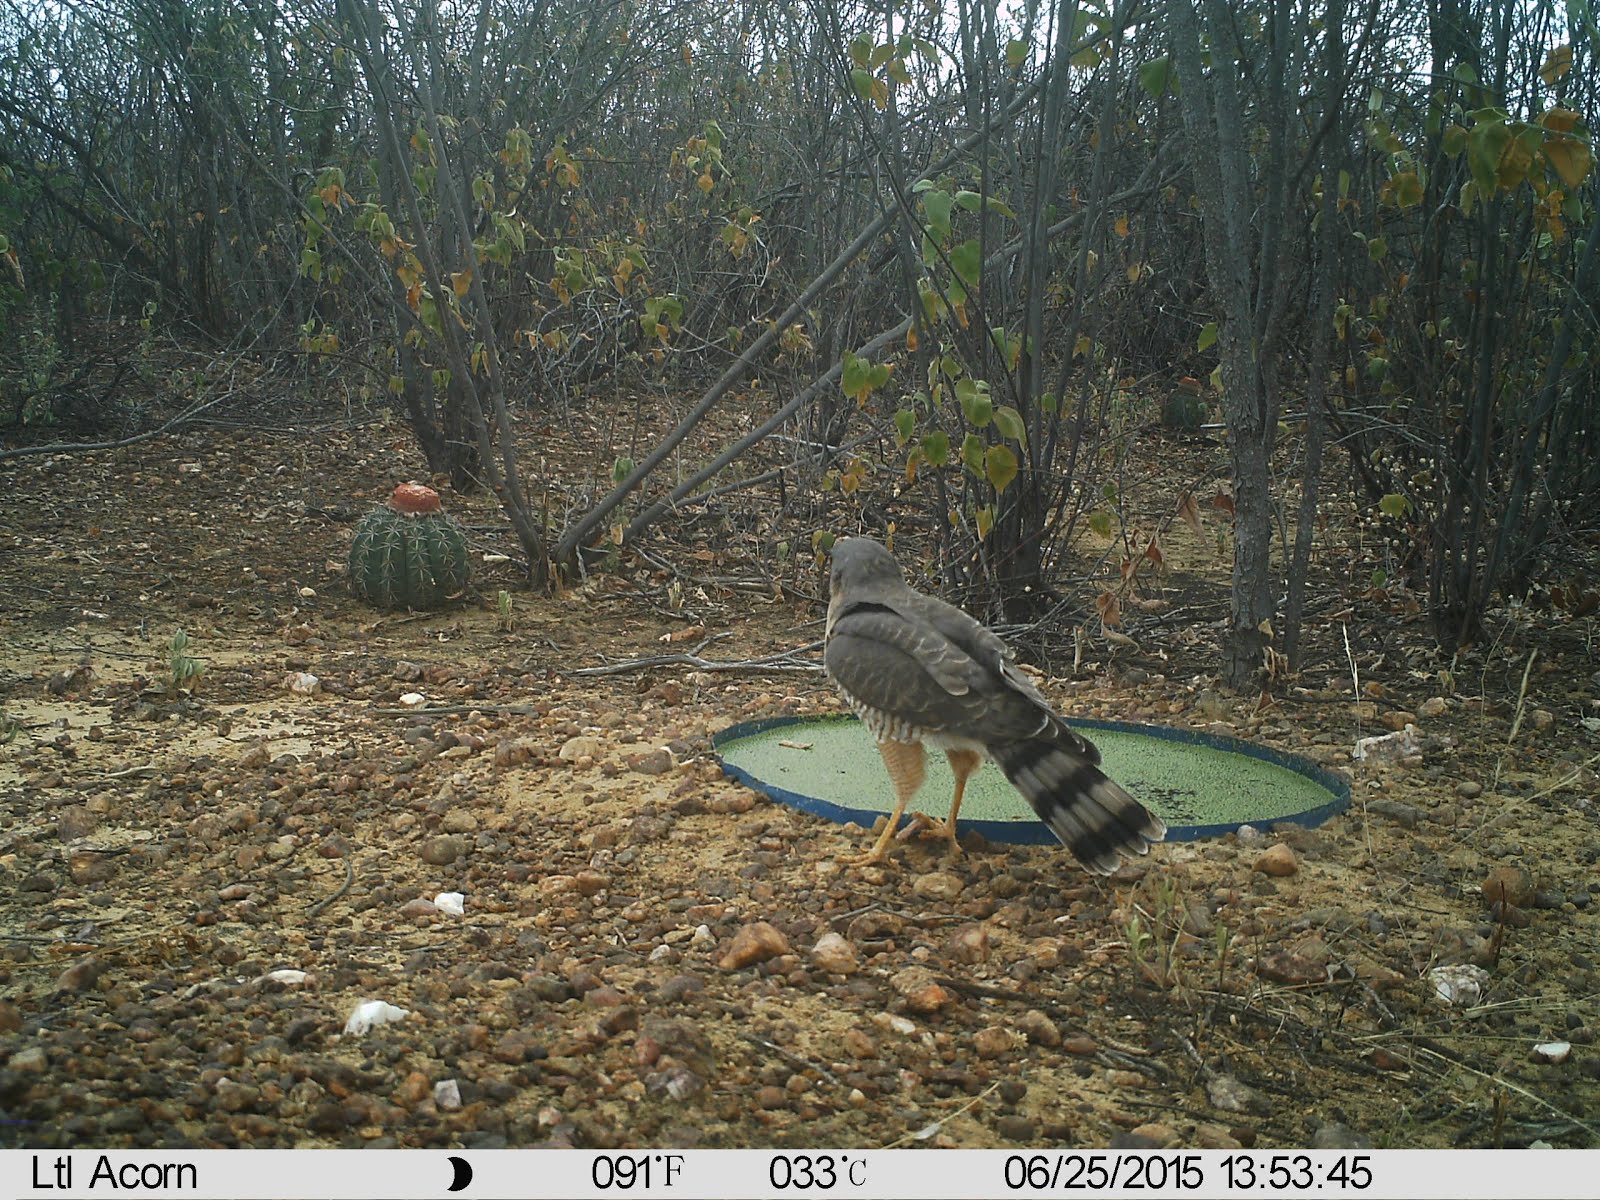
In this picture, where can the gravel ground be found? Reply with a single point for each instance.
(199, 887)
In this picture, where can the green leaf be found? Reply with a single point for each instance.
(1100, 522)
(1378, 248)
(1049, 403)
(1394, 505)
(510, 230)
(972, 453)
(1016, 53)
(936, 446)
(905, 424)
(1407, 189)
(937, 206)
(1454, 140)
(974, 201)
(853, 378)
(984, 519)
(1000, 466)
(861, 81)
(967, 259)
(975, 403)
(1487, 142)
(861, 50)
(1010, 424)
(621, 469)
(1155, 75)
(1207, 338)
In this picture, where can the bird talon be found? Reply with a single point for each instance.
(933, 827)
(872, 858)
(914, 826)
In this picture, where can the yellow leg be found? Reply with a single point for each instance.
(963, 763)
(906, 771)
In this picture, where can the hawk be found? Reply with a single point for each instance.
(920, 672)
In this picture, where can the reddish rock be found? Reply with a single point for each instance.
(754, 943)
(968, 945)
(1277, 861)
(1512, 885)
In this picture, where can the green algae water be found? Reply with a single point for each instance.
(1199, 784)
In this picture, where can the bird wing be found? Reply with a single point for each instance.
(897, 657)
(978, 641)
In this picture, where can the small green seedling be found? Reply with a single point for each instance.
(183, 666)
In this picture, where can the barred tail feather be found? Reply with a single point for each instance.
(1092, 815)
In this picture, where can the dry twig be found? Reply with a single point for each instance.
(787, 661)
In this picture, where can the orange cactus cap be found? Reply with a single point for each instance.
(414, 498)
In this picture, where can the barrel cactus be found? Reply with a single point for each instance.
(1185, 409)
(409, 554)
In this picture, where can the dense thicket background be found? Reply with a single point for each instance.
(951, 253)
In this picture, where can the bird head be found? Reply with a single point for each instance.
(859, 562)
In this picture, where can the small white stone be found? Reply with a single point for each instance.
(834, 954)
(447, 1095)
(370, 1013)
(453, 903)
(1460, 986)
(895, 1023)
(1552, 1052)
(413, 699)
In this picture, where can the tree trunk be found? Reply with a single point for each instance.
(1213, 110)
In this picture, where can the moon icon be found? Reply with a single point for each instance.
(463, 1173)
